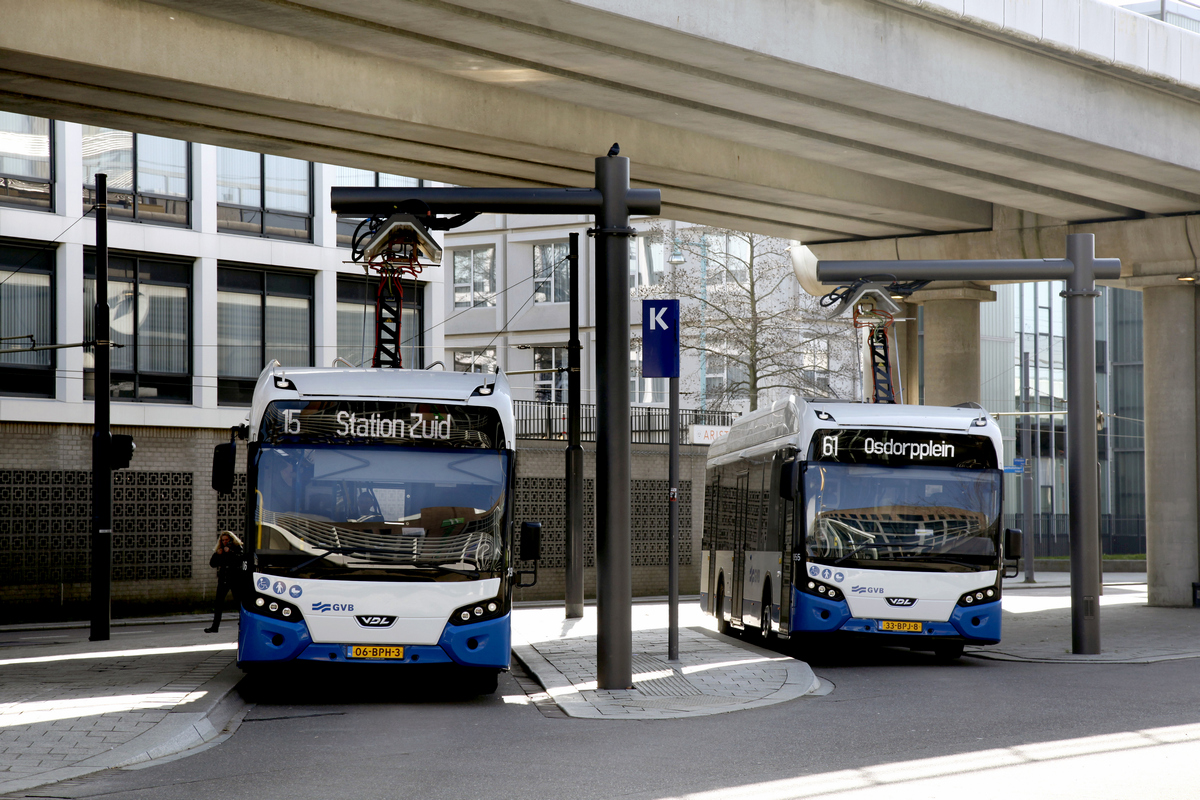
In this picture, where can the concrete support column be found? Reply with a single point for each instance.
(325, 314)
(905, 343)
(1169, 377)
(68, 301)
(204, 332)
(952, 343)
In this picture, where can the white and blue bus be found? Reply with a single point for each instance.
(378, 520)
(829, 517)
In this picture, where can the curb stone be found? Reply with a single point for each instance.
(178, 732)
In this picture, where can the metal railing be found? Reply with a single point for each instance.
(1118, 535)
(650, 424)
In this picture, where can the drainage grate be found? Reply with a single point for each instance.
(672, 683)
(686, 702)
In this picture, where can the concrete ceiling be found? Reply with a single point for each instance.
(820, 120)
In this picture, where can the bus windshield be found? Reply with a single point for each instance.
(923, 517)
(381, 512)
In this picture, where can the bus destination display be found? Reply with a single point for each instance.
(897, 448)
(380, 422)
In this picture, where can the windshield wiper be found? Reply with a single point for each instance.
(342, 551)
(859, 549)
(935, 558)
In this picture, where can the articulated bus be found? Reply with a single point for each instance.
(830, 517)
(377, 527)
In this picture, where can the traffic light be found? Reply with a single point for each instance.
(121, 451)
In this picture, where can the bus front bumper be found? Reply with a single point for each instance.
(264, 640)
(974, 625)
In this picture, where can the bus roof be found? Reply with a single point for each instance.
(321, 383)
(793, 421)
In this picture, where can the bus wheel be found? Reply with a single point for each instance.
(948, 651)
(722, 624)
(764, 618)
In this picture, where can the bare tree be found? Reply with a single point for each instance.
(743, 314)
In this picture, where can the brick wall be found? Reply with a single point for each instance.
(166, 517)
(164, 521)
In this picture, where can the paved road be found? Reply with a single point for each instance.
(897, 724)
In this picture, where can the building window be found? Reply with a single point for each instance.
(349, 176)
(474, 277)
(646, 261)
(27, 309)
(356, 322)
(644, 390)
(149, 301)
(481, 360)
(26, 176)
(551, 273)
(725, 379)
(727, 258)
(262, 195)
(814, 356)
(550, 386)
(148, 176)
(261, 316)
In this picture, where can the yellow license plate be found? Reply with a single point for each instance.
(896, 625)
(375, 651)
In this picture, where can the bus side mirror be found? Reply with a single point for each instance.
(1013, 539)
(789, 480)
(1012, 551)
(224, 466)
(531, 541)
(530, 550)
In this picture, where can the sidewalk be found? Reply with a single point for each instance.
(1037, 624)
(715, 674)
(69, 707)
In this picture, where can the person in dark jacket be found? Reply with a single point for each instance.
(226, 560)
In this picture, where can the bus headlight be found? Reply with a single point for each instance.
(276, 608)
(479, 611)
(976, 597)
(823, 590)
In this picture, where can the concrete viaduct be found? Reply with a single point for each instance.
(865, 128)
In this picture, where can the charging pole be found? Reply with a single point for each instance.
(614, 581)
(1080, 269)
(101, 434)
(611, 201)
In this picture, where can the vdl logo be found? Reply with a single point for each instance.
(901, 601)
(323, 607)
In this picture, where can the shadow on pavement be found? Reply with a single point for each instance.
(309, 684)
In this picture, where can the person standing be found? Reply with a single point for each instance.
(226, 560)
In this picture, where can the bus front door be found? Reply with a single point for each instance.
(739, 549)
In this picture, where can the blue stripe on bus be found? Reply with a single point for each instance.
(979, 623)
(812, 613)
(262, 638)
(481, 644)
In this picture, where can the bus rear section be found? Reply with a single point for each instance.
(379, 530)
(888, 532)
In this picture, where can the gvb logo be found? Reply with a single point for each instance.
(323, 607)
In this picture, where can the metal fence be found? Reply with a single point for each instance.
(650, 424)
(1118, 535)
